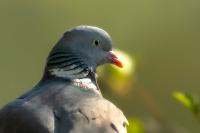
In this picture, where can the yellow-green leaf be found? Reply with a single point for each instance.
(188, 100)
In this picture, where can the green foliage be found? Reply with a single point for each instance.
(189, 101)
(135, 126)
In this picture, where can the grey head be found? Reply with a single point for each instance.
(79, 52)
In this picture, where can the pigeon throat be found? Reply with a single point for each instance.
(86, 84)
(72, 67)
(67, 65)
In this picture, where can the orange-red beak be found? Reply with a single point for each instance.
(114, 59)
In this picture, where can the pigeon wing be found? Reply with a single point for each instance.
(16, 118)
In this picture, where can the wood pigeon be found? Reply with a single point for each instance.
(67, 99)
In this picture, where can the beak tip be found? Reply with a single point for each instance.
(115, 60)
(118, 63)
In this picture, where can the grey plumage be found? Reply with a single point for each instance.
(68, 99)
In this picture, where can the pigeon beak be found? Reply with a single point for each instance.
(112, 57)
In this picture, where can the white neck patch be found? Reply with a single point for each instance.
(86, 84)
(72, 74)
(78, 78)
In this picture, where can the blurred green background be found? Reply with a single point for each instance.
(161, 36)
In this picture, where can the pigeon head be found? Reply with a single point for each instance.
(80, 51)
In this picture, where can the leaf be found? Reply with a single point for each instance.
(188, 100)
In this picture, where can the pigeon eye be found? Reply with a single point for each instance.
(96, 42)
